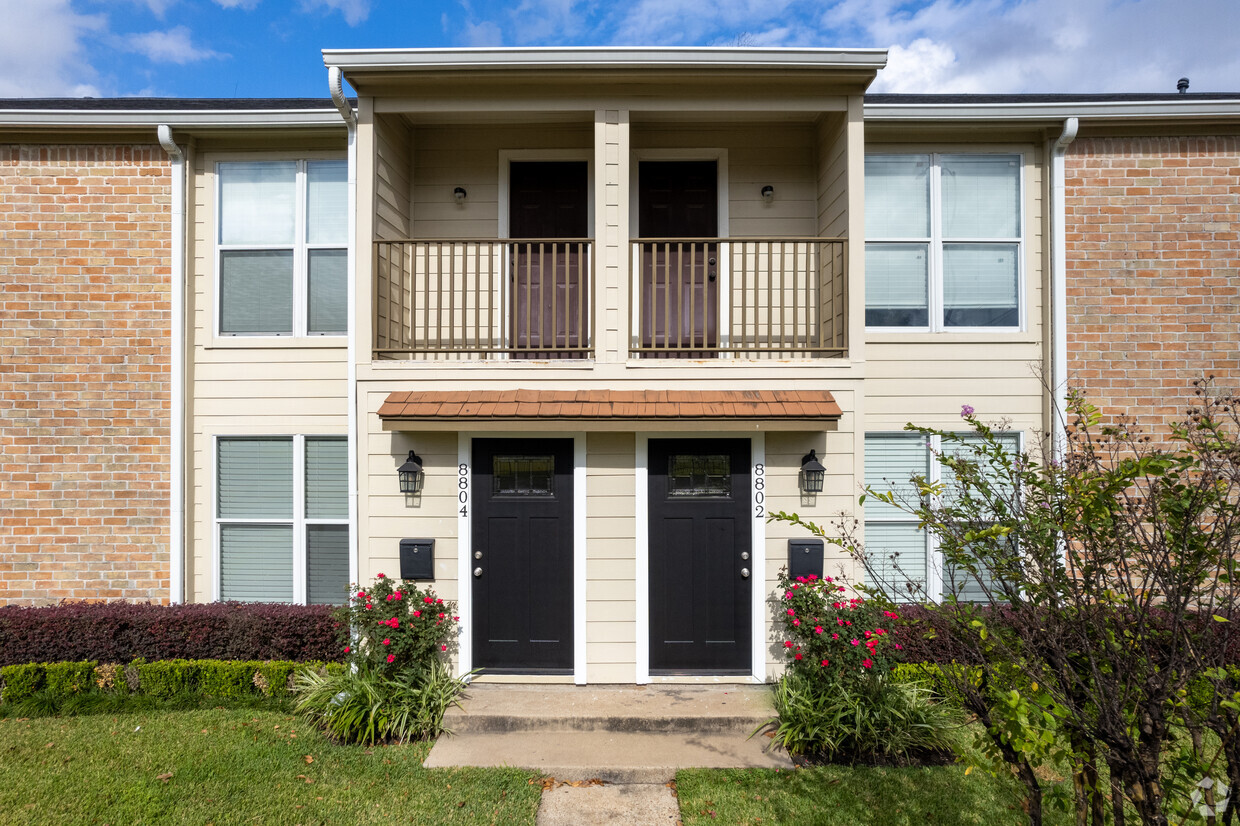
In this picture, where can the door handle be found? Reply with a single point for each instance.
(744, 573)
(477, 572)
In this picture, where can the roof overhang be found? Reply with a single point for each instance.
(186, 119)
(663, 410)
(1054, 111)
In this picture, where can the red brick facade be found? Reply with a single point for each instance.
(1153, 277)
(84, 381)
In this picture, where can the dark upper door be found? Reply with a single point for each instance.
(549, 309)
(700, 548)
(522, 555)
(680, 290)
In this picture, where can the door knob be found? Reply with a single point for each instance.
(744, 573)
(477, 572)
(477, 554)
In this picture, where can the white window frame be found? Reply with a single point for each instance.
(934, 556)
(300, 247)
(299, 521)
(934, 244)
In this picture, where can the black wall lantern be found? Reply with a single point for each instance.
(410, 474)
(812, 474)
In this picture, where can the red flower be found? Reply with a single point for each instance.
(427, 600)
(398, 594)
(369, 606)
(346, 649)
(378, 576)
(867, 662)
(899, 647)
(443, 648)
(441, 616)
(361, 595)
(835, 636)
(417, 613)
(791, 613)
(825, 663)
(787, 643)
(456, 619)
(796, 622)
(818, 629)
(391, 658)
(389, 597)
(387, 642)
(439, 602)
(799, 657)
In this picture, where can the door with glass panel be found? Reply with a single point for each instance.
(700, 544)
(522, 556)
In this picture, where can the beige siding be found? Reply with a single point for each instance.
(612, 133)
(611, 560)
(756, 155)
(277, 386)
(833, 194)
(393, 177)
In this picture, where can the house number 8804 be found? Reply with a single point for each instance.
(462, 484)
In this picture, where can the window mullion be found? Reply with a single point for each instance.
(301, 263)
(935, 269)
(299, 520)
(934, 570)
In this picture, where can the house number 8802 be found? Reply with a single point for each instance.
(462, 484)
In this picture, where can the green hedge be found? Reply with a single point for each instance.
(161, 679)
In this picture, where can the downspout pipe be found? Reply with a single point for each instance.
(1059, 289)
(176, 378)
(335, 82)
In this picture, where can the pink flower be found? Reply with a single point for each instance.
(966, 410)
(867, 662)
(867, 635)
(800, 579)
(812, 577)
(441, 616)
(417, 613)
(787, 595)
(427, 600)
(791, 613)
(456, 619)
(835, 636)
(439, 602)
(346, 649)
(389, 597)
(796, 622)
(855, 642)
(899, 647)
(369, 606)
(835, 605)
(787, 643)
(387, 642)
(841, 588)
(398, 595)
(839, 621)
(395, 623)
(443, 648)
(848, 622)
(818, 629)
(378, 576)
(879, 631)
(825, 663)
(391, 658)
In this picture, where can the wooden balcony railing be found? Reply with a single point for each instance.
(445, 299)
(739, 297)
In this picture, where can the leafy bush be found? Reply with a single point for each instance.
(120, 632)
(830, 633)
(396, 625)
(17, 682)
(862, 720)
(67, 679)
(370, 705)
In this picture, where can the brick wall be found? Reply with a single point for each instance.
(84, 359)
(1153, 234)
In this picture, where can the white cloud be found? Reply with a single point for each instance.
(157, 7)
(486, 33)
(172, 46)
(42, 51)
(687, 22)
(237, 4)
(354, 11)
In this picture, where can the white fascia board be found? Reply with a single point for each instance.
(43, 118)
(614, 57)
(1056, 112)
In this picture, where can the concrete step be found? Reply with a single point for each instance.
(613, 757)
(668, 709)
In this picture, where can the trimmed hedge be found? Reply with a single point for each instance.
(163, 679)
(119, 632)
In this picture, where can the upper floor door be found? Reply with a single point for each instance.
(677, 203)
(549, 276)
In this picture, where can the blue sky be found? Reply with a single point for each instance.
(270, 48)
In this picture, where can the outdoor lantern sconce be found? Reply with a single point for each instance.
(411, 475)
(812, 474)
(768, 193)
(460, 194)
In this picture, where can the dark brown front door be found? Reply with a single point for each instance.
(678, 201)
(700, 548)
(549, 310)
(522, 555)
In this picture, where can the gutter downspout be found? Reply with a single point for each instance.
(1059, 290)
(335, 82)
(176, 493)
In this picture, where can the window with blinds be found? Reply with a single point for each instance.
(903, 559)
(283, 231)
(282, 518)
(943, 241)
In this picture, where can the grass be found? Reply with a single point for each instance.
(235, 765)
(844, 796)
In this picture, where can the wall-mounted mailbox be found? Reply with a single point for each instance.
(417, 559)
(804, 558)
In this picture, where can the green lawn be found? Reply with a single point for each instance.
(234, 766)
(842, 796)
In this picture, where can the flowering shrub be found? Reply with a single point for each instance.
(396, 625)
(833, 635)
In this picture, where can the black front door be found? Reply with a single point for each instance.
(522, 555)
(700, 556)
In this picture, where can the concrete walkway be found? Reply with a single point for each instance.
(627, 741)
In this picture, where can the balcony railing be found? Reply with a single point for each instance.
(739, 297)
(528, 298)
